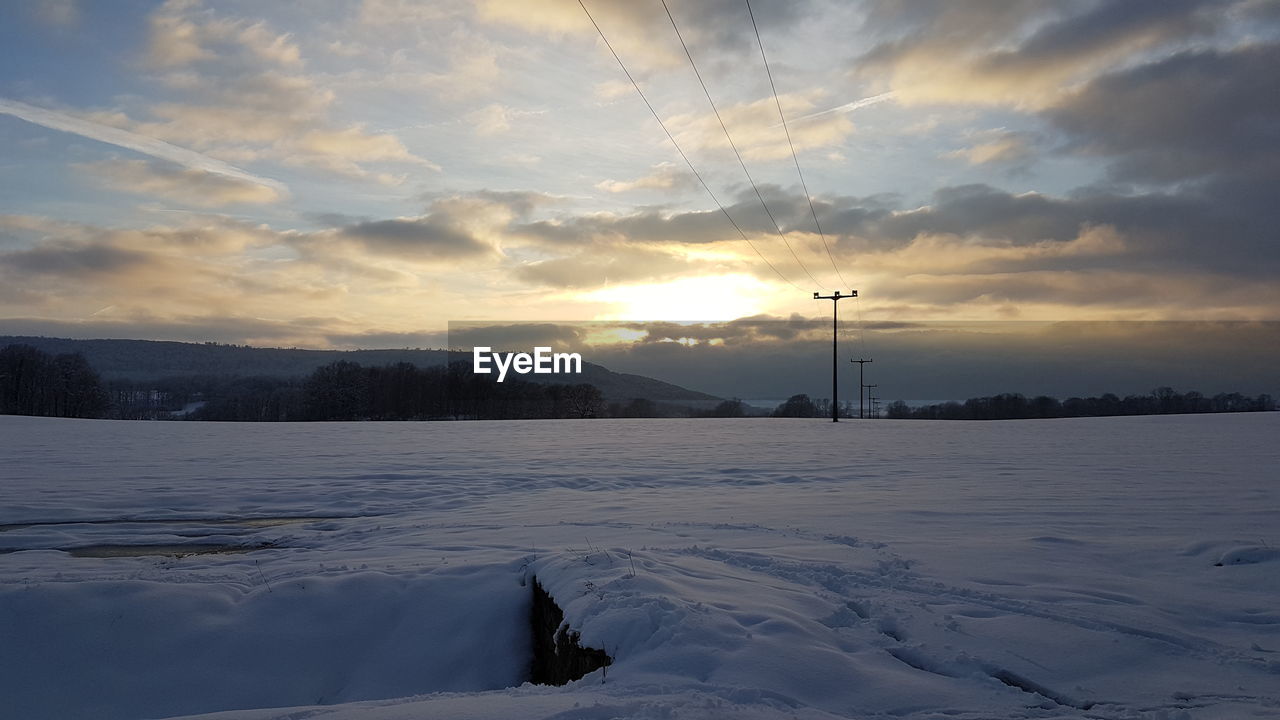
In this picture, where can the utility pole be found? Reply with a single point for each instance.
(835, 331)
(867, 390)
(875, 407)
(860, 364)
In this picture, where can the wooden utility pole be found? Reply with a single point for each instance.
(835, 331)
(867, 389)
(860, 364)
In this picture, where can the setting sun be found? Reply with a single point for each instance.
(715, 297)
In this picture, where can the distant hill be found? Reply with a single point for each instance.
(142, 360)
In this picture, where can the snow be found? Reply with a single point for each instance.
(757, 568)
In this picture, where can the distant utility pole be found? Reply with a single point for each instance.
(835, 331)
(867, 390)
(875, 408)
(860, 364)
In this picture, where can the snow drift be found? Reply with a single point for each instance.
(1109, 568)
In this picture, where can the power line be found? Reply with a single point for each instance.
(682, 153)
(861, 362)
(835, 299)
(734, 146)
(787, 130)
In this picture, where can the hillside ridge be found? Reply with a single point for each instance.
(142, 360)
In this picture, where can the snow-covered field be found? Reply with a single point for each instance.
(1101, 568)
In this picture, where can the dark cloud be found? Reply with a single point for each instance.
(1219, 229)
(1197, 114)
(185, 328)
(1226, 226)
(658, 225)
(426, 237)
(903, 26)
(74, 261)
(726, 26)
(1026, 53)
(1260, 11)
(985, 211)
(733, 332)
(771, 358)
(646, 226)
(450, 230)
(1106, 26)
(940, 361)
(464, 335)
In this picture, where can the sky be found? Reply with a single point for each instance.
(359, 174)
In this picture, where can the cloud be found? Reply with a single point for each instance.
(457, 63)
(1192, 115)
(1022, 54)
(1044, 294)
(974, 250)
(756, 130)
(131, 141)
(277, 116)
(430, 237)
(643, 226)
(248, 97)
(342, 150)
(961, 360)
(58, 13)
(178, 39)
(457, 231)
(186, 185)
(498, 204)
(174, 41)
(974, 245)
(631, 27)
(473, 71)
(72, 261)
(1094, 247)
(465, 334)
(613, 89)
(493, 119)
(213, 266)
(641, 32)
(596, 267)
(998, 148)
(1216, 228)
(205, 327)
(383, 13)
(665, 176)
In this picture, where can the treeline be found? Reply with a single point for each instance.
(802, 406)
(37, 383)
(34, 382)
(1013, 406)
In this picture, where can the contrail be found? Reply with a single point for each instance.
(847, 107)
(130, 141)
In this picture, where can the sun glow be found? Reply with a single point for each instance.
(717, 297)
